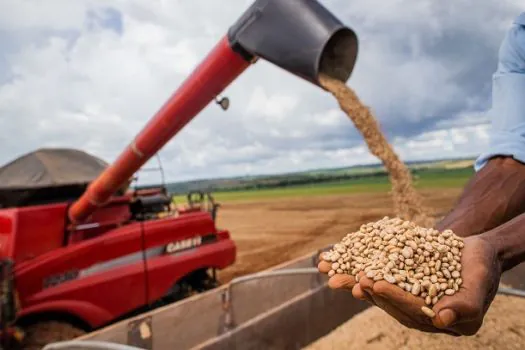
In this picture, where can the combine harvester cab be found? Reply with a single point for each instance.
(133, 254)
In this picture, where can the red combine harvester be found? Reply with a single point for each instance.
(134, 253)
(95, 258)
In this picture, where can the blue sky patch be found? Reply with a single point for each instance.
(107, 17)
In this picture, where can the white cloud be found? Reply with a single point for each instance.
(49, 15)
(274, 107)
(89, 74)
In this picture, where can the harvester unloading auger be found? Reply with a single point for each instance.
(299, 36)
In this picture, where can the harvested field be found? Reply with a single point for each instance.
(271, 231)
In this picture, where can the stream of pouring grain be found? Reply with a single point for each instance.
(407, 202)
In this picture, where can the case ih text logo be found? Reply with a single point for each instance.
(184, 244)
(55, 280)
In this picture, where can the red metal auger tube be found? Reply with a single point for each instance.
(220, 68)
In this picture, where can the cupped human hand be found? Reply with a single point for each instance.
(459, 314)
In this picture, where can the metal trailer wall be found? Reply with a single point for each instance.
(286, 312)
(278, 312)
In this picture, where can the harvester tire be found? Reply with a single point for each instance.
(40, 334)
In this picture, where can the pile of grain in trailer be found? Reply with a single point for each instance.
(503, 329)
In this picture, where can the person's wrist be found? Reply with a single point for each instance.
(500, 251)
(508, 242)
(495, 195)
(458, 221)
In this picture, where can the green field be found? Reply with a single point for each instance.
(438, 178)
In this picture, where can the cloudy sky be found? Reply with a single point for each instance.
(89, 74)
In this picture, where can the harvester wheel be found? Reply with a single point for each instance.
(40, 334)
(197, 282)
(182, 290)
(202, 281)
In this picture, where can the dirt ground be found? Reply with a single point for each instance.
(270, 232)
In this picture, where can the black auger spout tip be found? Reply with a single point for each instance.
(300, 36)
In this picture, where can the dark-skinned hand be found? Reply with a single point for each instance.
(459, 314)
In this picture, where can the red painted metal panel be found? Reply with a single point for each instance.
(164, 231)
(89, 313)
(32, 231)
(164, 270)
(104, 290)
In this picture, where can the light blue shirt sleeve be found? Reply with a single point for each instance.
(507, 132)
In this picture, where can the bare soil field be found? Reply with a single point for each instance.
(270, 232)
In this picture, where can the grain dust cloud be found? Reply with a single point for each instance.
(408, 203)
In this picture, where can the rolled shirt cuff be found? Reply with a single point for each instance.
(507, 132)
(505, 144)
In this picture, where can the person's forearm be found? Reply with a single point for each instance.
(495, 195)
(509, 242)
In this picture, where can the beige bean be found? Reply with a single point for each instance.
(428, 311)
(432, 291)
(399, 278)
(419, 275)
(378, 277)
(426, 284)
(389, 278)
(411, 244)
(371, 273)
(416, 288)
